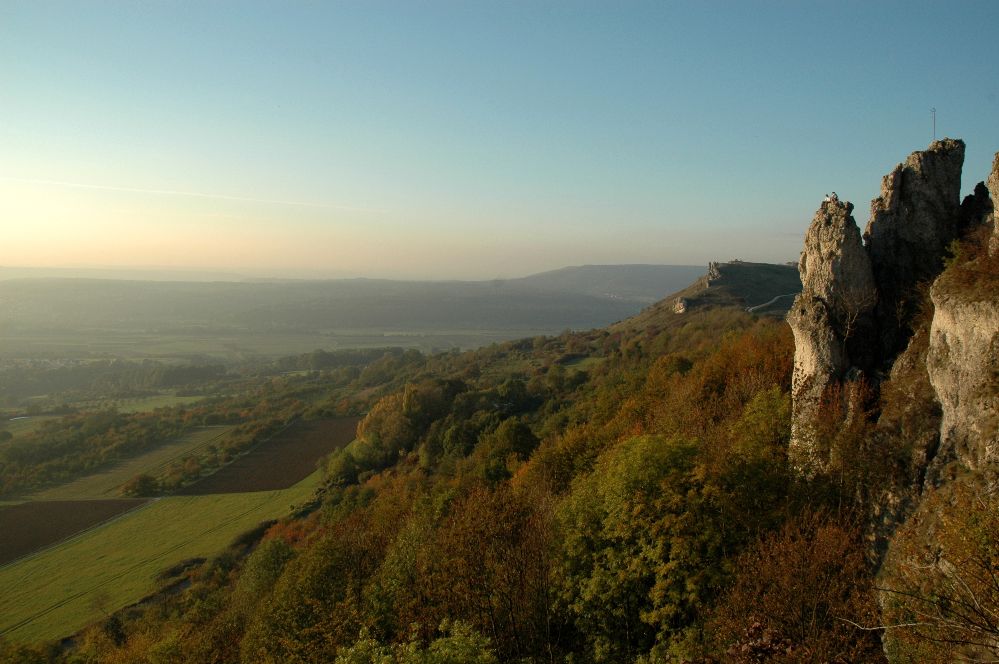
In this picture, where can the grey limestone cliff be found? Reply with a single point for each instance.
(915, 316)
(963, 356)
(963, 365)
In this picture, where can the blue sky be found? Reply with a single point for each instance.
(466, 139)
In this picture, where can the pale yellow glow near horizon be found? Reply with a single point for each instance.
(55, 225)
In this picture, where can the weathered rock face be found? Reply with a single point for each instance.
(963, 365)
(834, 266)
(912, 222)
(993, 186)
(936, 381)
(819, 357)
(826, 318)
(963, 356)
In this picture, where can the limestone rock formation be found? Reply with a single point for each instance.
(993, 187)
(713, 272)
(963, 364)
(912, 222)
(935, 382)
(680, 305)
(836, 269)
(827, 317)
(859, 298)
(963, 356)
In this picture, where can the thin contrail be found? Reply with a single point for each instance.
(192, 194)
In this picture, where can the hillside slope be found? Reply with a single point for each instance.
(761, 288)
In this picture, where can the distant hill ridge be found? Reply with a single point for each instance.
(761, 288)
(639, 283)
(580, 297)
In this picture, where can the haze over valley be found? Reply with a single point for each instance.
(234, 320)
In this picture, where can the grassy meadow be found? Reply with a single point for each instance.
(59, 591)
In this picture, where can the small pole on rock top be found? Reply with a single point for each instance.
(934, 112)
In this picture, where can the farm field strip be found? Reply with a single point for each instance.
(112, 566)
(31, 528)
(281, 461)
(104, 484)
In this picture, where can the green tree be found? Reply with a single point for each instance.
(458, 644)
(634, 547)
(141, 485)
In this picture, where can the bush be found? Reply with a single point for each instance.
(141, 485)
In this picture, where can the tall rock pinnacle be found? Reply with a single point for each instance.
(830, 319)
(912, 222)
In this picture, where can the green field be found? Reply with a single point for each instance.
(59, 591)
(105, 484)
(235, 345)
(585, 363)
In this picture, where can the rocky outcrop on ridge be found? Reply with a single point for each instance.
(854, 315)
(913, 315)
(912, 222)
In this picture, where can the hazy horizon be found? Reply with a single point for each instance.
(166, 273)
(465, 140)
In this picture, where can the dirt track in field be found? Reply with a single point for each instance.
(281, 461)
(32, 526)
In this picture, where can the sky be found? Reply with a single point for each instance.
(469, 140)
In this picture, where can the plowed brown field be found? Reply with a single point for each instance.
(280, 462)
(31, 526)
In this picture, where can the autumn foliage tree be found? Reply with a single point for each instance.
(810, 587)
